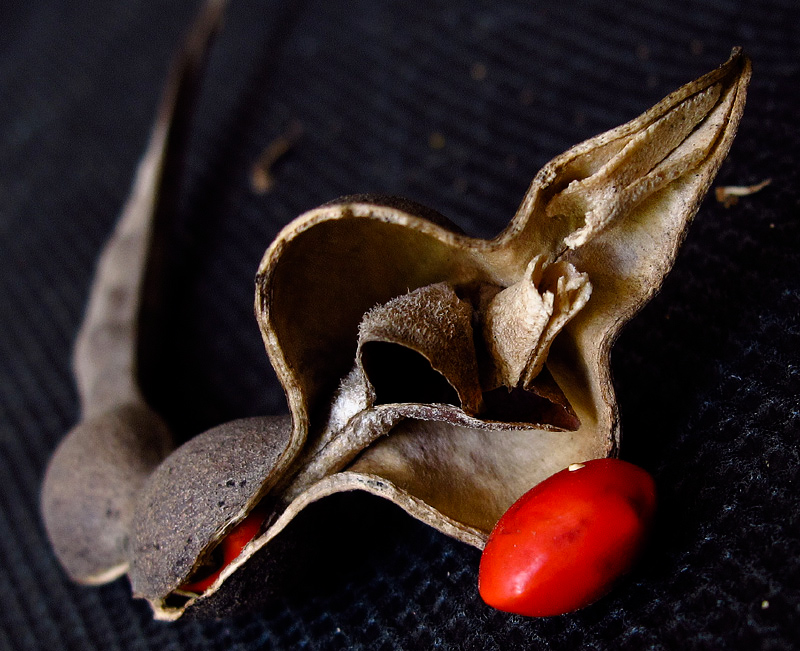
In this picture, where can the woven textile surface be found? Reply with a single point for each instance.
(455, 105)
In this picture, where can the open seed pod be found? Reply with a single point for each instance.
(444, 373)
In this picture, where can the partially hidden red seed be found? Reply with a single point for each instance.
(231, 546)
(563, 544)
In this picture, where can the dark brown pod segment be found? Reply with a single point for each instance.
(502, 377)
(197, 495)
(87, 493)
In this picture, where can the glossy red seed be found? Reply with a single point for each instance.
(564, 543)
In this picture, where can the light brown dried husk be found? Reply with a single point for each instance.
(615, 207)
(95, 474)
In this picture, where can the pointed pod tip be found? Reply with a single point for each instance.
(738, 63)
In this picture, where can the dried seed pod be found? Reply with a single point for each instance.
(368, 308)
(98, 469)
(444, 373)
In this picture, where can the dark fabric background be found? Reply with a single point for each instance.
(708, 374)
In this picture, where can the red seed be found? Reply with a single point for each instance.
(231, 546)
(563, 544)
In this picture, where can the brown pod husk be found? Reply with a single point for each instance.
(90, 486)
(429, 329)
(444, 373)
(197, 494)
(367, 307)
